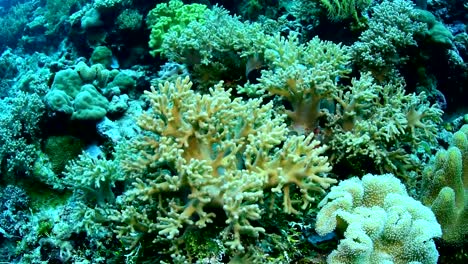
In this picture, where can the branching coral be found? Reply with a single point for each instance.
(303, 75)
(173, 16)
(381, 123)
(220, 35)
(391, 30)
(226, 153)
(18, 131)
(95, 176)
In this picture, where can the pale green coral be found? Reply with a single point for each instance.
(217, 36)
(381, 223)
(445, 185)
(227, 153)
(391, 29)
(373, 122)
(303, 75)
(361, 122)
(79, 92)
(96, 176)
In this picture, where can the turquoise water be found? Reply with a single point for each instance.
(254, 131)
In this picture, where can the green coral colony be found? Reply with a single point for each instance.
(253, 131)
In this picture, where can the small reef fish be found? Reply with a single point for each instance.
(317, 239)
(255, 64)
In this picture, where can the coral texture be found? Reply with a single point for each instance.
(172, 16)
(214, 39)
(362, 121)
(391, 30)
(445, 186)
(228, 154)
(381, 223)
(19, 120)
(303, 75)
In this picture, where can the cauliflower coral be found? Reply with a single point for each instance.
(381, 223)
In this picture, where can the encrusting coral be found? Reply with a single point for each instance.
(229, 155)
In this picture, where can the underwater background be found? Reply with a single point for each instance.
(251, 131)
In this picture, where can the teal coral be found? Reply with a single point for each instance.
(89, 104)
(381, 223)
(129, 19)
(79, 92)
(18, 132)
(61, 149)
(436, 32)
(102, 55)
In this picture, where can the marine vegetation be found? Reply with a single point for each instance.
(214, 131)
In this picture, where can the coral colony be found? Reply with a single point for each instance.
(241, 132)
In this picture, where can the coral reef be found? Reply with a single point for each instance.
(209, 131)
(363, 121)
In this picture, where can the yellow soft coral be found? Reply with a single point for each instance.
(226, 153)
